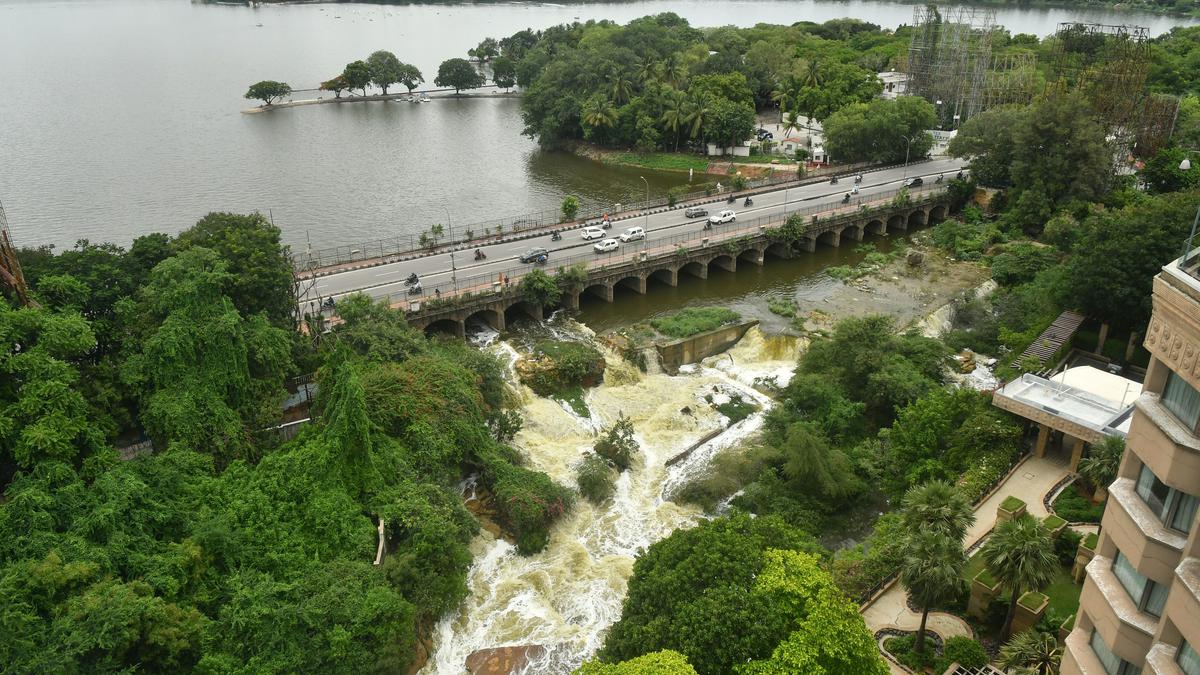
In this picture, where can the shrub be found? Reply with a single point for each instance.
(694, 320)
(594, 477)
(782, 307)
(983, 474)
(963, 650)
(1067, 545)
(902, 649)
(570, 207)
(558, 366)
(527, 502)
(1073, 507)
(617, 444)
(736, 409)
(539, 289)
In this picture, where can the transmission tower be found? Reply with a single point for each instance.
(949, 60)
(11, 277)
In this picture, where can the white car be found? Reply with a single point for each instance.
(726, 216)
(606, 245)
(633, 234)
(592, 232)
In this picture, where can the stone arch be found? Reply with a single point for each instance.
(447, 326)
(938, 213)
(522, 310)
(831, 238)
(668, 276)
(634, 283)
(853, 232)
(696, 269)
(753, 254)
(602, 291)
(897, 221)
(780, 249)
(488, 315)
(724, 262)
(917, 218)
(877, 227)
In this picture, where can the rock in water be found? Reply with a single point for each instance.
(914, 257)
(502, 660)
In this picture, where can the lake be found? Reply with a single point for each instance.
(122, 117)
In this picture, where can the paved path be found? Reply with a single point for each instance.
(1031, 481)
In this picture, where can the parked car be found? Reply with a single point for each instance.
(592, 232)
(915, 182)
(763, 134)
(726, 216)
(606, 245)
(695, 212)
(633, 234)
(533, 254)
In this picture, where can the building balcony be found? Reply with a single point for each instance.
(1166, 446)
(1160, 660)
(1183, 604)
(1128, 631)
(1152, 548)
(1079, 659)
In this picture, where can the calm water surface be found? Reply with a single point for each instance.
(121, 117)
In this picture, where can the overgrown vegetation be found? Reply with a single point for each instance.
(694, 320)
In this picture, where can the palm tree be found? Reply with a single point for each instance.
(647, 71)
(932, 573)
(620, 87)
(673, 72)
(599, 113)
(698, 108)
(1020, 555)
(674, 112)
(937, 507)
(1100, 465)
(791, 122)
(1032, 652)
(811, 75)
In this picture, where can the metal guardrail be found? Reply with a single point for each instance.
(485, 230)
(828, 217)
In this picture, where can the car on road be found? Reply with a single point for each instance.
(695, 212)
(633, 234)
(592, 232)
(763, 134)
(726, 216)
(915, 182)
(606, 245)
(533, 254)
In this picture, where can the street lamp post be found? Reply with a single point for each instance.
(907, 146)
(450, 237)
(646, 214)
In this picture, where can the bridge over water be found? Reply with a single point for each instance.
(495, 298)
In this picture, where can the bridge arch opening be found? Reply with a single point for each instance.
(494, 319)
(897, 222)
(916, 219)
(937, 214)
(876, 227)
(753, 254)
(830, 238)
(696, 269)
(600, 291)
(780, 249)
(724, 263)
(635, 284)
(522, 311)
(668, 276)
(452, 327)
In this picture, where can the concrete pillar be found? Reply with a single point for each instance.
(636, 283)
(570, 300)
(1131, 345)
(1039, 450)
(1076, 453)
(668, 276)
(460, 328)
(856, 233)
(755, 256)
(699, 271)
(900, 223)
(809, 245)
(727, 263)
(604, 291)
(833, 238)
(1100, 340)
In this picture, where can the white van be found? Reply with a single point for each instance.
(633, 234)
(592, 232)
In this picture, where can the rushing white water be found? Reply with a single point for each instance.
(567, 596)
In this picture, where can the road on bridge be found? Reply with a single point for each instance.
(387, 281)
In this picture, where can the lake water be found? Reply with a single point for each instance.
(122, 117)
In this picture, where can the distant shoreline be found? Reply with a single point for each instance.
(440, 93)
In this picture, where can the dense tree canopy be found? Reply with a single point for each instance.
(459, 74)
(881, 131)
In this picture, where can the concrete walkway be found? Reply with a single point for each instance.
(1031, 480)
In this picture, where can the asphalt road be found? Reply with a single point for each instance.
(388, 280)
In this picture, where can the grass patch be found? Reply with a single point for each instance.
(1032, 600)
(782, 307)
(1090, 541)
(780, 160)
(573, 397)
(667, 161)
(1053, 522)
(694, 320)
(1012, 504)
(1071, 505)
(1063, 593)
(736, 409)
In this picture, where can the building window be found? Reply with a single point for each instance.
(1113, 664)
(1188, 659)
(1147, 595)
(1177, 510)
(1182, 399)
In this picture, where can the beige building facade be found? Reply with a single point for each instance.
(1139, 610)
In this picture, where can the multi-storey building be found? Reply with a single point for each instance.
(1140, 607)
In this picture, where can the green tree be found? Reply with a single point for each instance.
(932, 573)
(598, 114)
(674, 113)
(337, 85)
(728, 123)
(385, 69)
(831, 87)
(268, 91)
(459, 74)
(1032, 652)
(1162, 172)
(937, 507)
(696, 118)
(620, 87)
(594, 476)
(1099, 466)
(1020, 555)
(485, 51)
(409, 76)
(357, 75)
(259, 265)
(540, 289)
(665, 662)
(570, 208)
(881, 131)
(987, 140)
(617, 444)
(504, 72)
(810, 462)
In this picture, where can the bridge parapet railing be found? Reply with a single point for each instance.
(483, 231)
(448, 295)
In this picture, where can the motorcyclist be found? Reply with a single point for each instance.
(940, 178)
(479, 254)
(855, 190)
(858, 178)
(413, 279)
(833, 181)
(748, 202)
(555, 236)
(846, 198)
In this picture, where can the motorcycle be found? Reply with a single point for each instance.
(555, 236)
(707, 225)
(328, 303)
(412, 279)
(940, 178)
(748, 202)
(833, 181)
(480, 255)
(959, 176)
(731, 199)
(606, 224)
(415, 289)
(846, 198)
(541, 260)
(858, 179)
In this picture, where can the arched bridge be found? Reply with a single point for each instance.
(725, 247)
